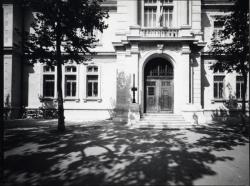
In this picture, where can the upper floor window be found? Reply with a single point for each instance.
(48, 81)
(70, 81)
(158, 13)
(218, 27)
(218, 87)
(239, 87)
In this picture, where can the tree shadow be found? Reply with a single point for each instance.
(104, 153)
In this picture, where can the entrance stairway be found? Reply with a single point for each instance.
(162, 121)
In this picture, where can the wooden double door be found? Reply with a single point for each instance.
(159, 95)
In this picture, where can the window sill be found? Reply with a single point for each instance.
(71, 99)
(92, 99)
(225, 100)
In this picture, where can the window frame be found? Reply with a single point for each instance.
(217, 29)
(44, 73)
(98, 74)
(156, 4)
(218, 82)
(241, 84)
(71, 73)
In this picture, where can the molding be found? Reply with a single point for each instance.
(99, 100)
(174, 39)
(185, 49)
(71, 99)
(106, 53)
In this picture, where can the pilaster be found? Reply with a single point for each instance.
(185, 73)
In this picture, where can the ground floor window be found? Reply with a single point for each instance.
(70, 85)
(92, 85)
(48, 85)
(218, 87)
(48, 81)
(70, 81)
(239, 87)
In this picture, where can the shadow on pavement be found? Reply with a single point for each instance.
(110, 154)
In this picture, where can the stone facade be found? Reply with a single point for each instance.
(126, 47)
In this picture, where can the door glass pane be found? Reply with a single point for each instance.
(151, 83)
(151, 91)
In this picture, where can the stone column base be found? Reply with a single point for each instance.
(127, 113)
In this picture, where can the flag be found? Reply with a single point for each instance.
(161, 14)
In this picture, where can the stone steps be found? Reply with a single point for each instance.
(162, 121)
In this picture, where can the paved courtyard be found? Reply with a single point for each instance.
(105, 153)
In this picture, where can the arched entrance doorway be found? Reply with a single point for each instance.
(158, 86)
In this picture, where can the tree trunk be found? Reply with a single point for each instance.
(61, 125)
(244, 123)
(244, 92)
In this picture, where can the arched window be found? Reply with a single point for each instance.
(159, 68)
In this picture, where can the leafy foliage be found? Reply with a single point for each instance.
(62, 33)
(231, 45)
(73, 21)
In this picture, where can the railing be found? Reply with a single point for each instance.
(159, 32)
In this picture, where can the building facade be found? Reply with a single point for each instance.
(151, 58)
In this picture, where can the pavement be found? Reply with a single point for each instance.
(108, 153)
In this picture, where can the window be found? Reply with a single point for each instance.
(92, 82)
(219, 71)
(48, 81)
(167, 17)
(70, 81)
(92, 85)
(239, 87)
(218, 87)
(158, 13)
(218, 27)
(48, 85)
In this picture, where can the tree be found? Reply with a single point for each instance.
(63, 32)
(231, 45)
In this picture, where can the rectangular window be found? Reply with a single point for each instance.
(218, 27)
(239, 87)
(48, 85)
(218, 87)
(167, 17)
(158, 13)
(92, 85)
(70, 81)
(70, 85)
(150, 17)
